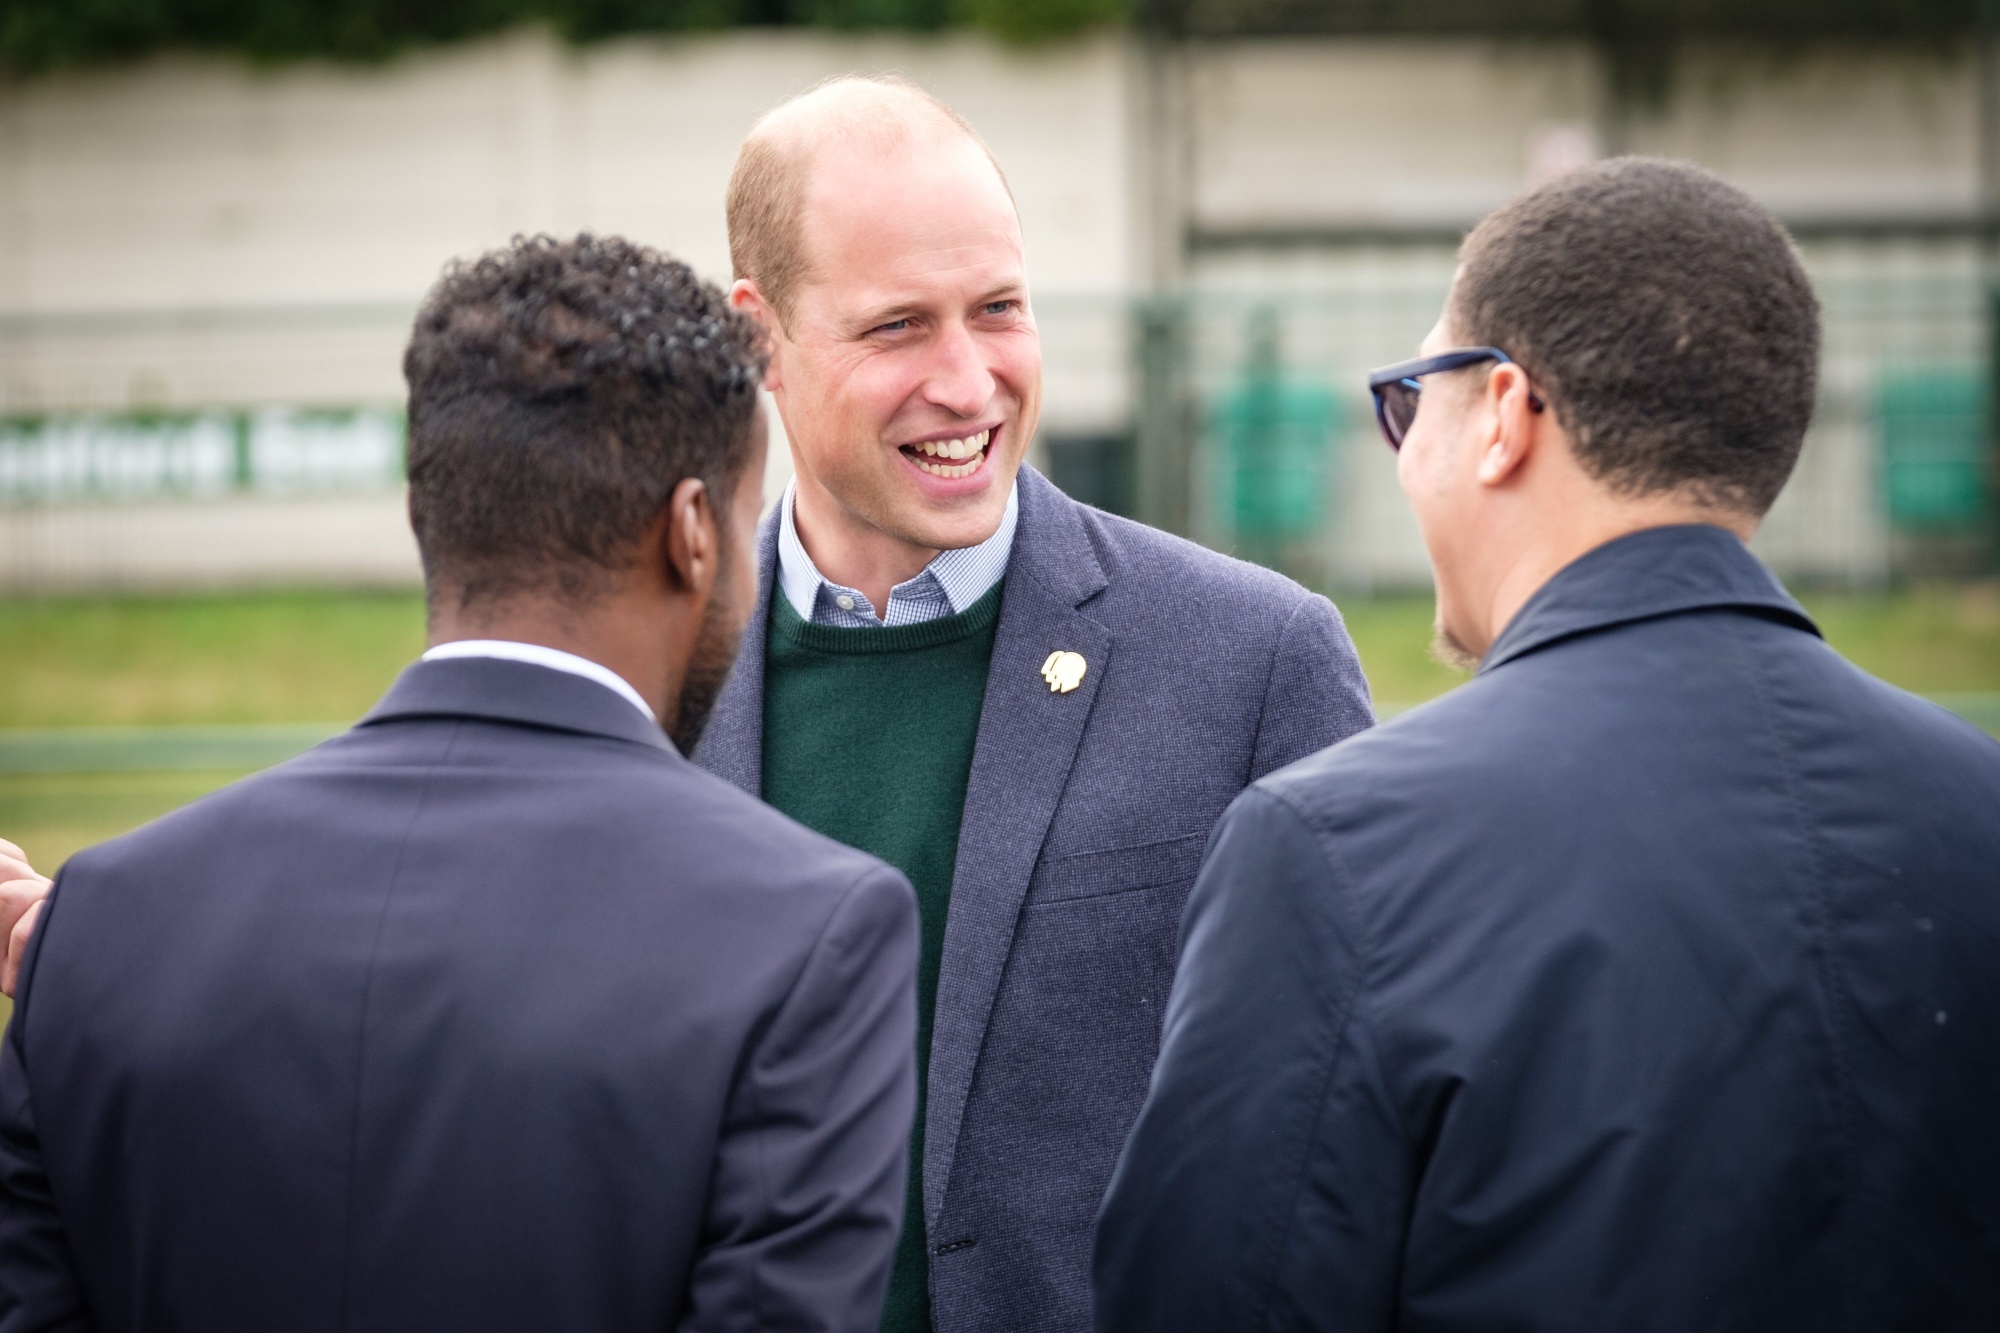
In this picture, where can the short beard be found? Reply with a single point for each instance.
(715, 645)
(1447, 651)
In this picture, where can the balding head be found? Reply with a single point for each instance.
(874, 116)
(875, 240)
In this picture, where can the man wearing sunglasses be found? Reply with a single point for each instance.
(1652, 979)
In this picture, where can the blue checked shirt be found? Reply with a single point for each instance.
(948, 584)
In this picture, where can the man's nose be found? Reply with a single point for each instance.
(960, 379)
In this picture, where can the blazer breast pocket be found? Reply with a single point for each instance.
(1097, 874)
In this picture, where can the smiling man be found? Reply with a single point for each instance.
(1035, 710)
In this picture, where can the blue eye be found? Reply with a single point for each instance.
(893, 326)
(998, 307)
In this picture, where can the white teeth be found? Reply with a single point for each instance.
(964, 469)
(970, 448)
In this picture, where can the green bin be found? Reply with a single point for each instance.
(1935, 460)
(1276, 440)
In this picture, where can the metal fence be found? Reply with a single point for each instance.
(1234, 410)
(1261, 368)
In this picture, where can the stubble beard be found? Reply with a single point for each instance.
(715, 647)
(1447, 651)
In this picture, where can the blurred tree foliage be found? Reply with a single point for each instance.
(1639, 36)
(40, 35)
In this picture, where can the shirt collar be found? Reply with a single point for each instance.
(535, 654)
(965, 574)
(1641, 576)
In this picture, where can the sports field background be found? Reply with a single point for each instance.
(114, 710)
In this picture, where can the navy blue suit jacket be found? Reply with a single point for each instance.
(493, 1013)
(1085, 822)
(1650, 981)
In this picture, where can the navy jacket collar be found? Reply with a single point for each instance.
(503, 691)
(1643, 575)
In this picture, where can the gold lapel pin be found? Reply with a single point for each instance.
(1064, 671)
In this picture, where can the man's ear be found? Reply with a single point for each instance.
(1514, 418)
(746, 297)
(692, 551)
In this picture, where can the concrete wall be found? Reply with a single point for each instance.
(1373, 132)
(1354, 140)
(1409, 133)
(364, 541)
(187, 235)
(194, 233)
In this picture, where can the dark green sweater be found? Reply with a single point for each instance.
(868, 737)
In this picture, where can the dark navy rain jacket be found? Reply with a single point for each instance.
(1651, 981)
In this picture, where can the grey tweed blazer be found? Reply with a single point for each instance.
(1085, 823)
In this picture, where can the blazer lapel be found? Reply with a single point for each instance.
(1027, 744)
(732, 745)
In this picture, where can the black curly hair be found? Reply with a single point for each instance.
(1665, 315)
(559, 391)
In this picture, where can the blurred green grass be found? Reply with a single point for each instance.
(324, 657)
(52, 816)
(291, 656)
(1936, 639)
(261, 657)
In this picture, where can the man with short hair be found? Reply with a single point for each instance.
(1035, 710)
(495, 1012)
(1651, 980)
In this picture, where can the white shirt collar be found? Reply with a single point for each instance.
(507, 650)
(965, 574)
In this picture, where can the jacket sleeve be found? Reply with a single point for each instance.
(39, 1286)
(1317, 693)
(806, 1200)
(1268, 1160)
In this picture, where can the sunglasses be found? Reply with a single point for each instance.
(1396, 388)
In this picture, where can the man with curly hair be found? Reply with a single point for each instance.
(496, 1011)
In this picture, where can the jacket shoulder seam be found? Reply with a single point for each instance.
(1345, 1011)
(755, 1105)
(1826, 962)
(347, 1246)
(1271, 679)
